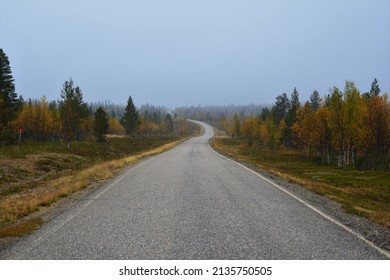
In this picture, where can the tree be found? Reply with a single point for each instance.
(354, 112)
(115, 127)
(73, 109)
(236, 125)
(249, 129)
(337, 125)
(376, 138)
(55, 125)
(36, 119)
(168, 123)
(282, 106)
(265, 113)
(130, 120)
(100, 124)
(375, 90)
(291, 118)
(9, 102)
(315, 100)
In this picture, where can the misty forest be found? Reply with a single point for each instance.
(347, 128)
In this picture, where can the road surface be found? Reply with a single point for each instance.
(191, 203)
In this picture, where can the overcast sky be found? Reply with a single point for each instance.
(191, 52)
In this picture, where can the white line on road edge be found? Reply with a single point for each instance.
(70, 217)
(361, 237)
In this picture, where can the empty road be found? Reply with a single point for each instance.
(191, 203)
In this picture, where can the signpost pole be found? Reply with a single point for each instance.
(20, 137)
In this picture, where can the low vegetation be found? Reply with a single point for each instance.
(361, 192)
(40, 173)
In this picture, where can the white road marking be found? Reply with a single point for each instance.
(361, 237)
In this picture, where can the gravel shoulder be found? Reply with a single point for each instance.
(377, 234)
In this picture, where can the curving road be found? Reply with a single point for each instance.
(191, 203)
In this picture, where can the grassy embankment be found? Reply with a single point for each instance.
(41, 173)
(365, 193)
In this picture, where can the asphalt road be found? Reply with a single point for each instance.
(191, 203)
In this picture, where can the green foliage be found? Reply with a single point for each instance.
(73, 109)
(9, 102)
(282, 106)
(315, 100)
(375, 90)
(100, 124)
(130, 120)
(290, 119)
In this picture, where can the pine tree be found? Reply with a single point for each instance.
(168, 122)
(73, 109)
(100, 124)
(282, 106)
(315, 101)
(375, 90)
(291, 118)
(294, 105)
(9, 101)
(130, 120)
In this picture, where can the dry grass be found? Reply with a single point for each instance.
(365, 193)
(19, 205)
(21, 228)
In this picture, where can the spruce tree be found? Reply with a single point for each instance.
(291, 118)
(315, 101)
(169, 122)
(100, 124)
(72, 109)
(9, 101)
(130, 120)
(375, 90)
(281, 107)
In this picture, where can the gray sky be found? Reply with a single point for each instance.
(190, 52)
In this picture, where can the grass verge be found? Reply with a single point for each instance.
(365, 193)
(42, 173)
(16, 206)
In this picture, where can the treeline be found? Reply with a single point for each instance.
(70, 118)
(212, 113)
(345, 128)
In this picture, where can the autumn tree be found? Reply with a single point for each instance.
(100, 124)
(114, 126)
(55, 117)
(302, 127)
(376, 137)
(337, 125)
(35, 119)
(236, 126)
(354, 111)
(249, 129)
(130, 120)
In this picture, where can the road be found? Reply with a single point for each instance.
(191, 203)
